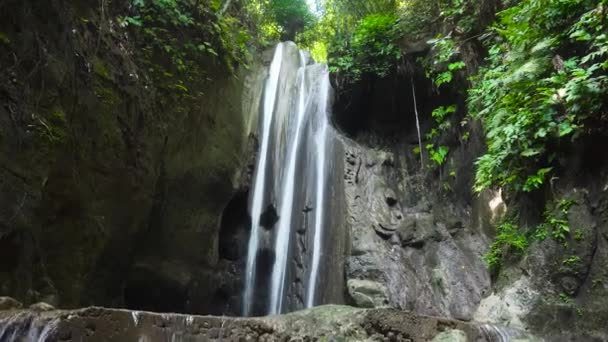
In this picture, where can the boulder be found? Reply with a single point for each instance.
(8, 303)
(42, 307)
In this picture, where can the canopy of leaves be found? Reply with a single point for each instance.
(370, 50)
(292, 16)
(360, 36)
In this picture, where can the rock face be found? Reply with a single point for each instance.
(409, 249)
(558, 289)
(418, 234)
(332, 323)
(110, 182)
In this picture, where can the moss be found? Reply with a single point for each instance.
(58, 116)
(51, 129)
(100, 69)
(106, 94)
(4, 38)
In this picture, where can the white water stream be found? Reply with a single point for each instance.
(260, 176)
(291, 175)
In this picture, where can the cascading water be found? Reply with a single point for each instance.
(287, 198)
(321, 143)
(295, 147)
(260, 177)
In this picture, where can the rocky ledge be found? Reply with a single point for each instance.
(325, 323)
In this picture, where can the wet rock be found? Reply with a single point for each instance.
(235, 228)
(391, 201)
(269, 217)
(367, 294)
(405, 252)
(386, 212)
(332, 323)
(416, 229)
(171, 281)
(451, 336)
(41, 307)
(8, 303)
(510, 305)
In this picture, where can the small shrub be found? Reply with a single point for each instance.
(508, 238)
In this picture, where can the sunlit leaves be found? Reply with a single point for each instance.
(370, 50)
(508, 238)
(292, 16)
(438, 154)
(440, 113)
(444, 62)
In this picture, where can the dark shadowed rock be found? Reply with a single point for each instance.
(8, 303)
(269, 217)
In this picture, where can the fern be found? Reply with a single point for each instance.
(538, 87)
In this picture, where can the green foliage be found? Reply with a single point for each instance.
(445, 60)
(440, 113)
(508, 238)
(466, 136)
(565, 298)
(371, 50)
(355, 37)
(4, 39)
(420, 18)
(541, 233)
(181, 31)
(556, 220)
(536, 180)
(438, 154)
(380, 23)
(292, 16)
(545, 77)
(572, 260)
(597, 283)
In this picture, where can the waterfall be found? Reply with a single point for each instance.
(287, 198)
(497, 333)
(321, 145)
(260, 176)
(292, 172)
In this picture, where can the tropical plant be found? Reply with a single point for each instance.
(545, 78)
(371, 50)
(508, 238)
(183, 30)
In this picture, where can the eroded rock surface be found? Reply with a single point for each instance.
(409, 250)
(326, 323)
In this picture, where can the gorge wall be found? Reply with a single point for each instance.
(112, 185)
(419, 234)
